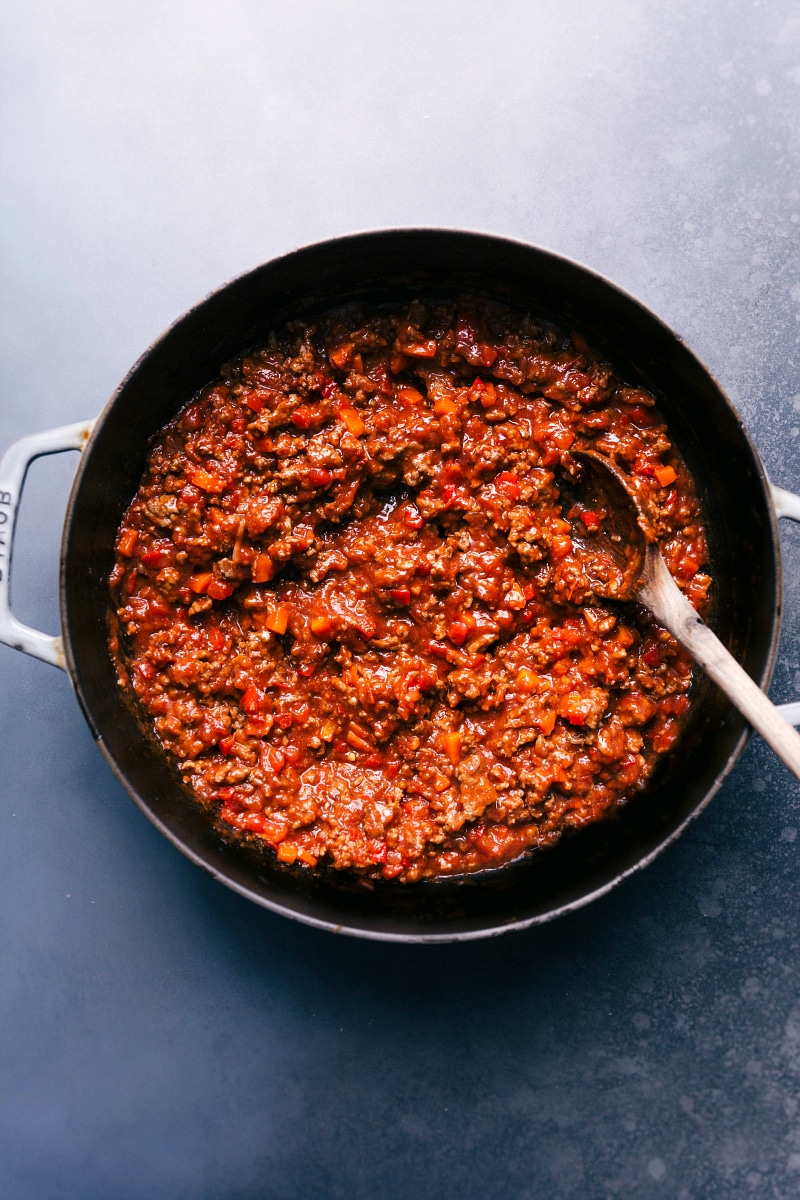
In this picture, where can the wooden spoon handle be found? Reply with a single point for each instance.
(669, 606)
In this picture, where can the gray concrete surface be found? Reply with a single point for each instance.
(160, 1036)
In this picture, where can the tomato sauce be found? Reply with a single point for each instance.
(351, 600)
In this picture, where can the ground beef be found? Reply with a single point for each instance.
(352, 600)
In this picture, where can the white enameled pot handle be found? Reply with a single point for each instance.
(13, 469)
(787, 505)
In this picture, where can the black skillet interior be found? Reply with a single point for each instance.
(396, 265)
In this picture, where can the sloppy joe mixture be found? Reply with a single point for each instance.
(356, 605)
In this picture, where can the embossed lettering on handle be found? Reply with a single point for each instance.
(13, 469)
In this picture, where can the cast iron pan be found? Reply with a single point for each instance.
(396, 265)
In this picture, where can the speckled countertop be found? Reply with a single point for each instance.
(163, 1038)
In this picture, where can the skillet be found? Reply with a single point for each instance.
(740, 505)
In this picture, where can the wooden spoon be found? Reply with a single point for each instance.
(625, 563)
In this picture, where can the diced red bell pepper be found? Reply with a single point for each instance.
(278, 619)
(409, 397)
(206, 480)
(276, 757)
(301, 418)
(508, 483)
(252, 699)
(665, 475)
(425, 349)
(262, 568)
(412, 517)
(457, 633)
(127, 541)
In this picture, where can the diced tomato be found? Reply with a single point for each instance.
(219, 589)
(217, 637)
(276, 757)
(640, 415)
(437, 648)
(319, 476)
(592, 520)
(400, 595)
(301, 417)
(252, 699)
(329, 388)
(412, 517)
(145, 669)
(157, 557)
(377, 373)
(509, 483)
(457, 633)
(226, 744)
(366, 626)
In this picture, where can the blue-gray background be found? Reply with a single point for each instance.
(161, 1037)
